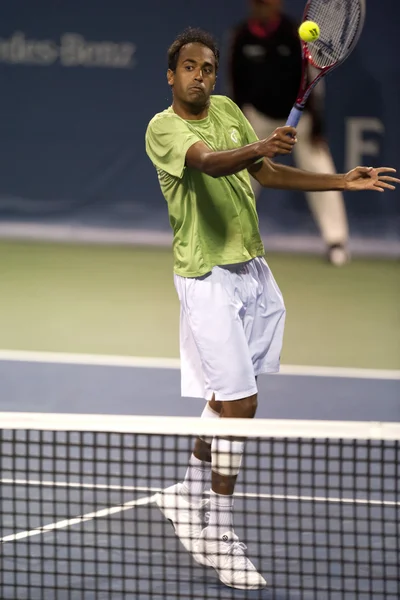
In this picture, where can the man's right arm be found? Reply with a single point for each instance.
(227, 162)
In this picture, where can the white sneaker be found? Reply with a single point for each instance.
(338, 255)
(226, 555)
(187, 519)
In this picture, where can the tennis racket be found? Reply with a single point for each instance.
(340, 23)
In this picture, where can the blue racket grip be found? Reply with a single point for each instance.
(294, 117)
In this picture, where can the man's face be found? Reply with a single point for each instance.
(265, 9)
(195, 75)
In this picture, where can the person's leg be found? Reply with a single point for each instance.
(327, 208)
(222, 458)
(263, 325)
(183, 503)
(198, 474)
(213, 313)
(207, 454)
(226, 458)
(218, 545)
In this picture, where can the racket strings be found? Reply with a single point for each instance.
(339, 22)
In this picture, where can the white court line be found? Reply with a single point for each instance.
(105, 360)
(174, 363)
(129, 488)
(77, 520)
(79, 485)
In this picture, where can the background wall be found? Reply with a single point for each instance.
(81, 80)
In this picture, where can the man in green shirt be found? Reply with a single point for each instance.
(232, 312)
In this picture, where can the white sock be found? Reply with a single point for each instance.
(196, 480)
(208, 413)
(198, 474)
(221, 515)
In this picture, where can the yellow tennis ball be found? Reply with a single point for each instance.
(309, 31)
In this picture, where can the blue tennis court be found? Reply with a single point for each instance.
(88, 513)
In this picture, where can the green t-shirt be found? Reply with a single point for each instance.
(214, 220)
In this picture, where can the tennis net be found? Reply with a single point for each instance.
(317, 504)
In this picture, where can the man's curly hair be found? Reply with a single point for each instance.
(191, 35)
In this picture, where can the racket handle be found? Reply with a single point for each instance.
(294, 117)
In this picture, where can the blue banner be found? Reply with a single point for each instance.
(80, 81)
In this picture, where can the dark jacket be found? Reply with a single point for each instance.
(266, 71)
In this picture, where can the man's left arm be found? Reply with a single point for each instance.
(277, 176)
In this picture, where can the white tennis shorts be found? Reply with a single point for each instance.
(231, 330)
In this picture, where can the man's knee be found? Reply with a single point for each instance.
(240, 409)
(215, 405)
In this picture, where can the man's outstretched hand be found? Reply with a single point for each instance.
(368, 178)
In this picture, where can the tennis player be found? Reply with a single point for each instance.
(232, 311)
